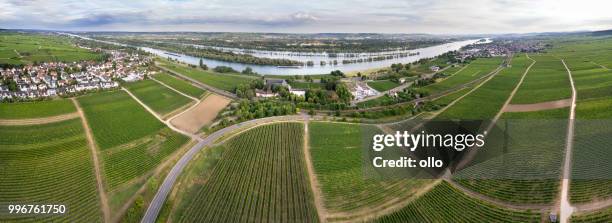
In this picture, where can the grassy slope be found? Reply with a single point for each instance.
(476, 69)
(36, 109)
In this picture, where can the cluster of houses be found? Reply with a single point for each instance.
(271, 83)
(499, 48)
(57, 78)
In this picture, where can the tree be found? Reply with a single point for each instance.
(247, 70)
(343, 93)
(337, 73)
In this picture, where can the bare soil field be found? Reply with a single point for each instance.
(38, 121)
(202, 114)
(538, 106)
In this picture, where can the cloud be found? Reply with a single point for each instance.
(396, 16)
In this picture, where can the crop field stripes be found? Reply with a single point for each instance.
(314, 183)
(96, 162)
(49, 164)
(199, 83)
(230, 195)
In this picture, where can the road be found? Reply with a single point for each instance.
(566, 208)
(166, 186)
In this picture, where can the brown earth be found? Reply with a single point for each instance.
(202, 114)
(538, 106)
(38, 121)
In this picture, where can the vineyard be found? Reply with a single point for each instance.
(337, 151)
(48, 164)
(36, 109)
(132, 141)
(158, 97)
(27, 49)
(129, 161)
(116, 119)
(446, 204)
(227, 82)
(180, 85)
(602, 216)
(473, 71)
(547, 81)
(490, 97)
(261, 177)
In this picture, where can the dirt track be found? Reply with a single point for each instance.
(538, 106)
(205, 112)
(38, 121)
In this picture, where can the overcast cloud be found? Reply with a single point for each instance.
(388, 16)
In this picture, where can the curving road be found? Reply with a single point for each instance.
(166, 186)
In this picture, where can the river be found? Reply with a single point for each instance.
(316, 68)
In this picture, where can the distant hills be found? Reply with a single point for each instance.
(602, 33)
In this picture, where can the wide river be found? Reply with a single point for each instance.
(316, 68)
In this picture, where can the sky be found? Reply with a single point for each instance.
(310, 16)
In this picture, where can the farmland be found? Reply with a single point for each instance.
(49, 164)
(227, 82)
(547, 81)
(476, 69)
(260, 177)
(132, 141)
(336, 151)
(116, 119)
(601, 216)
(446, 204)
(382, 85)
(490, 97)
(180, 85)
(161, 99)
(36, 109)
(27, 49)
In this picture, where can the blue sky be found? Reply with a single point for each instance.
(386, 16)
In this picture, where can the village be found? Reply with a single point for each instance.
(50, 79)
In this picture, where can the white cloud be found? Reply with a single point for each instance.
(432, 16)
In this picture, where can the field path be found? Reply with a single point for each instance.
(472, 152)
(96, 162)
(165, 188)
(177, 91)
(566, 208)
(39, 121)
(198, 83)
(167, 122)
(314, 184)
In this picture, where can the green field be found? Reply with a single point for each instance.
(161, 99)
(382, 85)
(261, 177)
(227, 82)
(490, 97)
(547, 81)
(336, 151)
(180, 85)
(473, 71)
(27, 49)
(49, 164)
(38, 109)
(447, 204)
(116, 119)
(131, 141)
